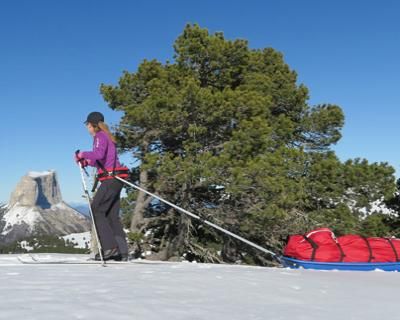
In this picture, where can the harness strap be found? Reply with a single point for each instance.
(96, 182)
(342, 254)
(313, 245)
(119, 172)
(369, 249)
(105, 174)
(393, 248)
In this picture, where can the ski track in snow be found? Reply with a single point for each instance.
(190, 291)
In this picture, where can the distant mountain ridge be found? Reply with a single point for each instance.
(82, 208)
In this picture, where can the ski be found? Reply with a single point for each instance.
(35, 260)
(87, 262)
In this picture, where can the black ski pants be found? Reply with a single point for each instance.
(105, 208)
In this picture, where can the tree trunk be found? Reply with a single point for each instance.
(141, 204)
(177, 243)
(183, 224)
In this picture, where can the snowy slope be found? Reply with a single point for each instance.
(36, 207)
(191, 291)
(31, 216)
(20, 222)
(18, 215)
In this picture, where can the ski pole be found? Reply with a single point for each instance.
(252, 244)
(85, 189)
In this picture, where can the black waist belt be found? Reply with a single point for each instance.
(105, 174)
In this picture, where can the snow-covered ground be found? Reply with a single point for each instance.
(191, 291)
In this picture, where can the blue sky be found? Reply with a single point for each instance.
(55, 54)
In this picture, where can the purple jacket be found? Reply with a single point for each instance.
(104, 151)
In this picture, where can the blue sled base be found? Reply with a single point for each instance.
(343, 266)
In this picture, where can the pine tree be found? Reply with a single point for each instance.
(227, 132)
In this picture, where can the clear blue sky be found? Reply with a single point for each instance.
(55, 54)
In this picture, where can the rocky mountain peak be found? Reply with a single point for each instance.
(36, 207)
(39, 189)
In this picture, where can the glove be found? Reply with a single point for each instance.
(84, 163)
(77, 156)
(80, 160)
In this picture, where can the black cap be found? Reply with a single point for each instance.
(94, 118)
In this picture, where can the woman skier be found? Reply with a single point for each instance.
(106, 202)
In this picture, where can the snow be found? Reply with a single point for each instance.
(81, 240)
(63, 206)
(378, 207)
(19, 214)
(153, 291)
(37, 174)
(24, 244)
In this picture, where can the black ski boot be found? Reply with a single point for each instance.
(121, 257)
(109, 254)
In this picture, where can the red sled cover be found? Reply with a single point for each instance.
(382, 250)
(298, 247)
(355, 248)
(317, 245)
(321, 245)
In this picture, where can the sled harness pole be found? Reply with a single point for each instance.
(252, 244)
(85, 189)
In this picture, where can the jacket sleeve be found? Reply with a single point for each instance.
(99, 150)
